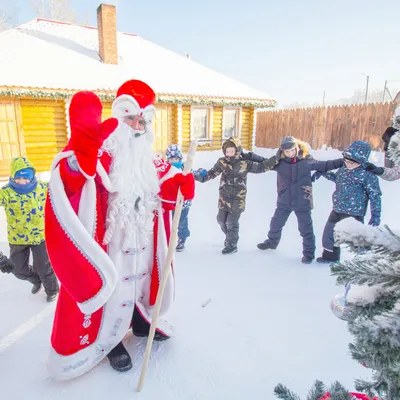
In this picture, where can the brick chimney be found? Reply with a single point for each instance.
(107, 29)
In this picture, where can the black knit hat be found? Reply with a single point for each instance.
(288, 142)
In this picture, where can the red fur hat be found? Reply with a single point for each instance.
(132, 98)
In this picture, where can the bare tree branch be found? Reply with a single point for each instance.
(39, 7)
(58, 10)
(8, 14)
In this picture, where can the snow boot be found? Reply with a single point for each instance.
(51, 297)
(307, 260)
(36, 287)
(266, 245)
(141, 328)
(229, 250)
(181, 245)
(323, 260)
(119, 358)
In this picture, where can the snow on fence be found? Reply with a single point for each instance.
(335, 126)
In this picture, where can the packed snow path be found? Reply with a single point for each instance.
(266, 317)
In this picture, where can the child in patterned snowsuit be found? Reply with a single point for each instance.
(175, 158)
(23, 199)
(233, 188)
(355, 187)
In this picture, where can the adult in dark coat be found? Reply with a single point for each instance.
(295, 194)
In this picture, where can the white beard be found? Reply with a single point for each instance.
(134, 179)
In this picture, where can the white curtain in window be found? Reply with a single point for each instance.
(230, 123)
(199, 123)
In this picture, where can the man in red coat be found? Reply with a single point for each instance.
(107, 225)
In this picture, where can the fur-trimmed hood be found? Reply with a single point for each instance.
(303, 151)
(232, 142)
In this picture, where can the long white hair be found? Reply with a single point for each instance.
(134, 179)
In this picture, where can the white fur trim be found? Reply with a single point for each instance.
(59, 157)
(87, 207)
(170, 174)
(90, 249)
(85, 174)
(104, 177)
(168, 201)
(126, 105)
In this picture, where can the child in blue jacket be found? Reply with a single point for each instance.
(355, 187)
(175, 158)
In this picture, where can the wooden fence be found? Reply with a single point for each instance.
(335, 126)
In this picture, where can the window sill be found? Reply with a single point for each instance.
(204, 142)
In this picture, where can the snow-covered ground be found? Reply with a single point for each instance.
(268, 319)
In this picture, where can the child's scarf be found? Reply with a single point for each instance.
(23, 189)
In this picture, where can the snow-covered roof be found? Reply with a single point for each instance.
(54, 55)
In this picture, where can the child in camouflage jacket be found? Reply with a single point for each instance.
(233, 187)
(23, 199)
(355, 188)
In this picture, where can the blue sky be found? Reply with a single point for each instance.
(290, 49)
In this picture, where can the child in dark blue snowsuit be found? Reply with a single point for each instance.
(175, 158)
(295, 194)
(355, 187)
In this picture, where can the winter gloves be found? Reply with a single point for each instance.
(250, 156)
(375, 220)
(200, 173)
(279, 154)
(87, 131)
(316, 175)
(6, 265)
(374, 169)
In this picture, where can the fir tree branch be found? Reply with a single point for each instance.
(383, 303)
(338, 392)
(375, 355)
(355, 234)
(383, 329)
(317, 391)
(282, 392)
(377, 387)
(371, 271)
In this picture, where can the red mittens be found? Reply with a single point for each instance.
(87, 131)
(187, 184)
(169, 189)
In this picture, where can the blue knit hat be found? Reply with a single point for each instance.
(173, 151)
(27, 173)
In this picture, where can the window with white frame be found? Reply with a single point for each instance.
(200, 123)
(230, 123)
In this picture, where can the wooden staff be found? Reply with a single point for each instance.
(167, 267)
